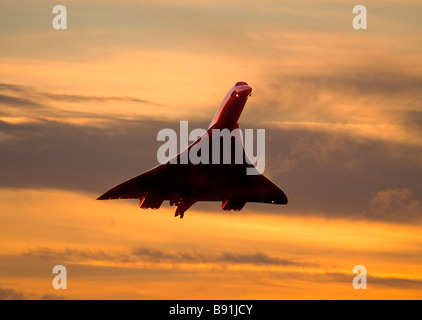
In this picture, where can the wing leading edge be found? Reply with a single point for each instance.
(184, 185)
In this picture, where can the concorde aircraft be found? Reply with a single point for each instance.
(184, 184)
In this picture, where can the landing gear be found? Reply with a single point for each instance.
(180, 211)
(182, 207)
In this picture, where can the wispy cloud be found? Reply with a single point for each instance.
(396, 204)
(26, 104)
(12, 294)
(372, 280)
(257, 259)
(16, 101)
(35, 94)
(159, 256)
(255, 270)
(83, 98)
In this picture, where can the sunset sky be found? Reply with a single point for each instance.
(80, 110)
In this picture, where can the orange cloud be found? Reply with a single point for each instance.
(222, 252)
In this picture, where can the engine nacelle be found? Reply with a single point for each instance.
(233, 204)
(147, 201)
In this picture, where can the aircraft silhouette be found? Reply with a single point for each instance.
(185, 184)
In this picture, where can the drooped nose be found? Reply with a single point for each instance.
(243, 88)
